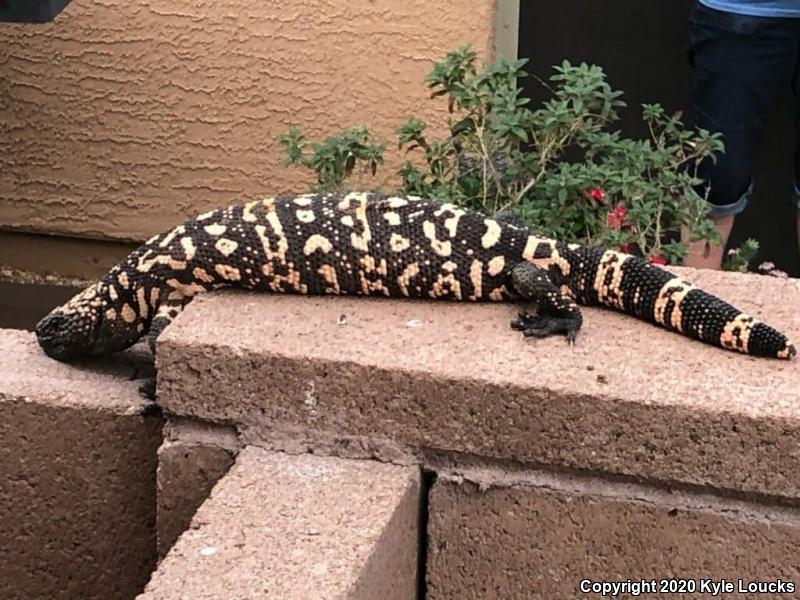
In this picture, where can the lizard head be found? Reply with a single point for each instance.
(91, 323)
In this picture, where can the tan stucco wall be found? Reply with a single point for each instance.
(123, 117)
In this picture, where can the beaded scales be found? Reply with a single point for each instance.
(372, 245)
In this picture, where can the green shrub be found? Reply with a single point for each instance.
(562, 166)
(334, 159)
(739, 259)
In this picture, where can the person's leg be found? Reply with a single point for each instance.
(796, 195)
(740, 65)
(796, 90)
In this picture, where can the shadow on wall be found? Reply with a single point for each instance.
(642, 46)
(30, 11)
(22, 305)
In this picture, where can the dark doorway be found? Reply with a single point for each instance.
(642, 46)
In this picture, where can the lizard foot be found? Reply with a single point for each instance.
(151, 408)
(546, 325)
(148, 389)
(526, 320)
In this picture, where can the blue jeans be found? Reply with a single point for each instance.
(741, 66)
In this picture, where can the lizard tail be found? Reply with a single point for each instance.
(638, 288)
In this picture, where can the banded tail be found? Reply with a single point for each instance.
(638, 288)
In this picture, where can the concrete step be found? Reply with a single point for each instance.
(399, 380)
(299, 527)
(532, 534)
(193, 457)
(77, 475)
(638, 454)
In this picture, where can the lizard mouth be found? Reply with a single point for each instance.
(57, 351)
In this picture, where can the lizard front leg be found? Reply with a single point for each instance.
(556, 310)
(166, 313)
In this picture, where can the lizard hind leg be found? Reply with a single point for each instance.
(557, 312)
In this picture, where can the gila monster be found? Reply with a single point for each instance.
(375, 245)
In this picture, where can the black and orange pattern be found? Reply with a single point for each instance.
(371, 245)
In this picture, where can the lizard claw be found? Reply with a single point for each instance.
(527, 321)
(534, 332)
(545, 325)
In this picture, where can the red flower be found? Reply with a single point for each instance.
(616, 218)
(657, 260)
(627, 247)
(595, 193)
